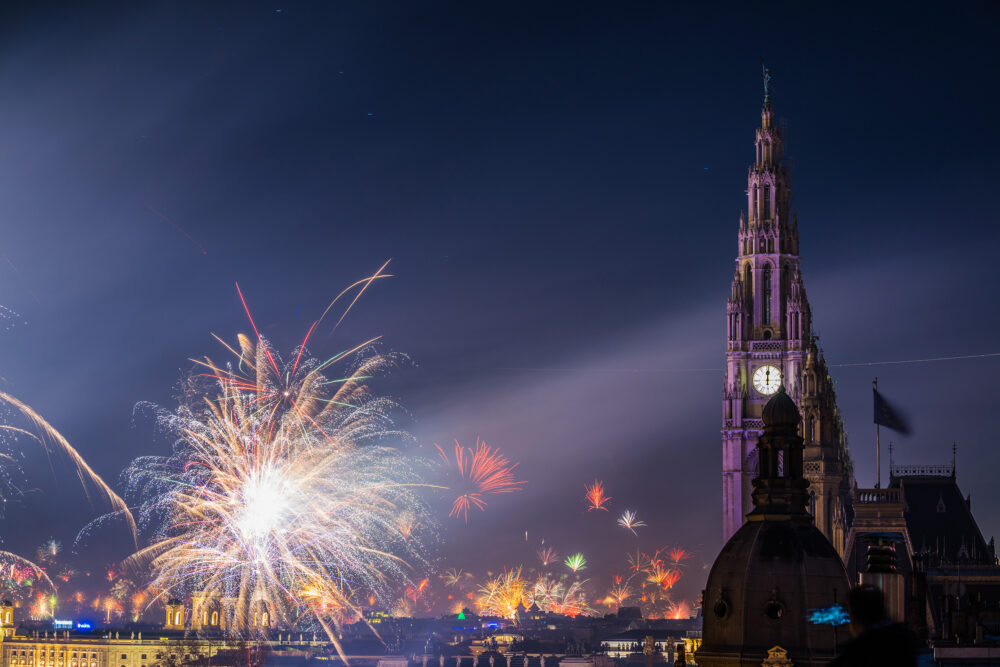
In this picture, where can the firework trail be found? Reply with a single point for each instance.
(173, 224)
(547, 556)
(629, 520)
(596, 497)
(576, 562)
(484, 471)
(362, 285)
(278, 495)
(51, 441)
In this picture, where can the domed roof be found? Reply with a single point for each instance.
(781, 410)
(761, 588)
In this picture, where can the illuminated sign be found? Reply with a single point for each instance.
(84, 625)
(835, 615)
(62, 625)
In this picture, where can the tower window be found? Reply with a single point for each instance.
(747, 285)
(767, 202)
(766, 295)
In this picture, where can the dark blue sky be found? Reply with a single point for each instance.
(558, 185)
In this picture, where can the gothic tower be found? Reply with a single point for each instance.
(770, 343)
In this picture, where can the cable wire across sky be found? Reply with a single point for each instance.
(719, 370)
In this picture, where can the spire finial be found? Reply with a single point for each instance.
(766, 73)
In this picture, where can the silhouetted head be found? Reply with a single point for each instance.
(866, 607)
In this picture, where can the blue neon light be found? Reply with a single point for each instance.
(835, 615)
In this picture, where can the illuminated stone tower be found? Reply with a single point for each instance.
(6, 619)
(770, 343)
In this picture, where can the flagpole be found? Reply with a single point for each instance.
(878, 450)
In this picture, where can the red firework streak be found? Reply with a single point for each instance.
(485, 471)
(596, 497)
(677, 555)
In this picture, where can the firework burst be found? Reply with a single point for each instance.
(629, 521)
(484, 471)
(547, 556)
(576, 562)
(560, 597)
(677, 555)
(619, 593)
(679, 610)
(278, 495)
(503, 595)
(595, 496)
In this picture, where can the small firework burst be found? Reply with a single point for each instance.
(547, 556)
(595, 496)
(483, 471)
(630, 521)
(576, 562)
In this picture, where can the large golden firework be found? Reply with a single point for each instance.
(280, 500)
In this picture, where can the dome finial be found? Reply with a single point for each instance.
(780, 410)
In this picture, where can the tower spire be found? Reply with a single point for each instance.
(766, 74)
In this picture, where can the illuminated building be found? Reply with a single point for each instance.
(663, 640)
(918, 541)
(771, 343)
(778, 569)
(170, 647)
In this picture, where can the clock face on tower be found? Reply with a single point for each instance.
(766, 380)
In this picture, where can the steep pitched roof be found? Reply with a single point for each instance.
(940, 522)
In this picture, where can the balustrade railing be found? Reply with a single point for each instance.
(877, 496)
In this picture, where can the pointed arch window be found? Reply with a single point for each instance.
(767, 202)
(748, 285)
(765, 283)
(786, 287)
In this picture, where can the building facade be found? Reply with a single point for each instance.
(778, 569)
(918, 541)
(770, 343)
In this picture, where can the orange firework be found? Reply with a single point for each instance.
(639, 562)
(619, 593)
(672, 577)
(596, 497)
(415, 592)
(484, 471)
(678, 554)
(679, 610)
(503, 595)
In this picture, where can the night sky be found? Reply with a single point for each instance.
(558, 186)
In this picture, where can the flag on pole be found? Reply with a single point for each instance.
(889, 416)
